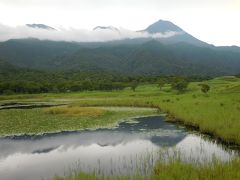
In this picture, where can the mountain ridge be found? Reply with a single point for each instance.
(181, 54)
(147, 58)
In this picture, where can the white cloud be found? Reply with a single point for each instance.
(72, 34)
(213, 21)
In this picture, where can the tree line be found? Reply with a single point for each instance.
(45, 82)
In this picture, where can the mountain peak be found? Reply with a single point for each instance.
(111, 28)
(162, 26)
(40, 26)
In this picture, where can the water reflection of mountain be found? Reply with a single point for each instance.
(153, 129)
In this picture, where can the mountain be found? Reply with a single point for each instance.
(163, 27)
(33, 53)
(110, 28)
(8, 70)
(148, 58)
(152, 58)
(40, 26)
(181, 54)
(5, 66)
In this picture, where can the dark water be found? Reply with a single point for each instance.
(126, 149)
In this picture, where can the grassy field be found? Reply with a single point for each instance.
(217, 113)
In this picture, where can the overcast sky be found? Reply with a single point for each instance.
(213, 21)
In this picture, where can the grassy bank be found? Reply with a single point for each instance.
(177, 169)
(174, 169)
(64, 118)
(216, 113)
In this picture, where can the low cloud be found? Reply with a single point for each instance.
(72, 34)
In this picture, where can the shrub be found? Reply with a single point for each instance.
(180, 86)
(204, 88)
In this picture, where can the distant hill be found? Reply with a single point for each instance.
(6, 67)
(33, 53)
(148, 58)
(154, 58)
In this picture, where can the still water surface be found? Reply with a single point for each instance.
(131, 147)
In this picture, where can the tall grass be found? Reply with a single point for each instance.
(169, 168)
(177, 169)
(174, 170)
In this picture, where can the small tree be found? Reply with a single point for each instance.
(161, 83)
(134, 85)
(204, 88)
(180, 86)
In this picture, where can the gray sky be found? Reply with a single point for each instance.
(213, 21)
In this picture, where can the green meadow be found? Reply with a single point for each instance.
(216, 113)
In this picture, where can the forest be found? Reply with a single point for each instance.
(30, 81)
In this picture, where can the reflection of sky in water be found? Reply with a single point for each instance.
(115, 151)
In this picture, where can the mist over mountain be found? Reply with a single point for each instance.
(110, 28)
(98, 34)
(162, 26)
(40, 26)
(162, 48)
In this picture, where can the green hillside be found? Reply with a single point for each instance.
(140, 58)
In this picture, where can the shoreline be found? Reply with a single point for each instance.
(50, 133)
(168, 118)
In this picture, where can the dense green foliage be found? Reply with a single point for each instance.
(32, 81)
(136, 58)
(20, 80)
(180, 85)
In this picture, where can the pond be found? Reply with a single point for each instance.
(131, 147)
